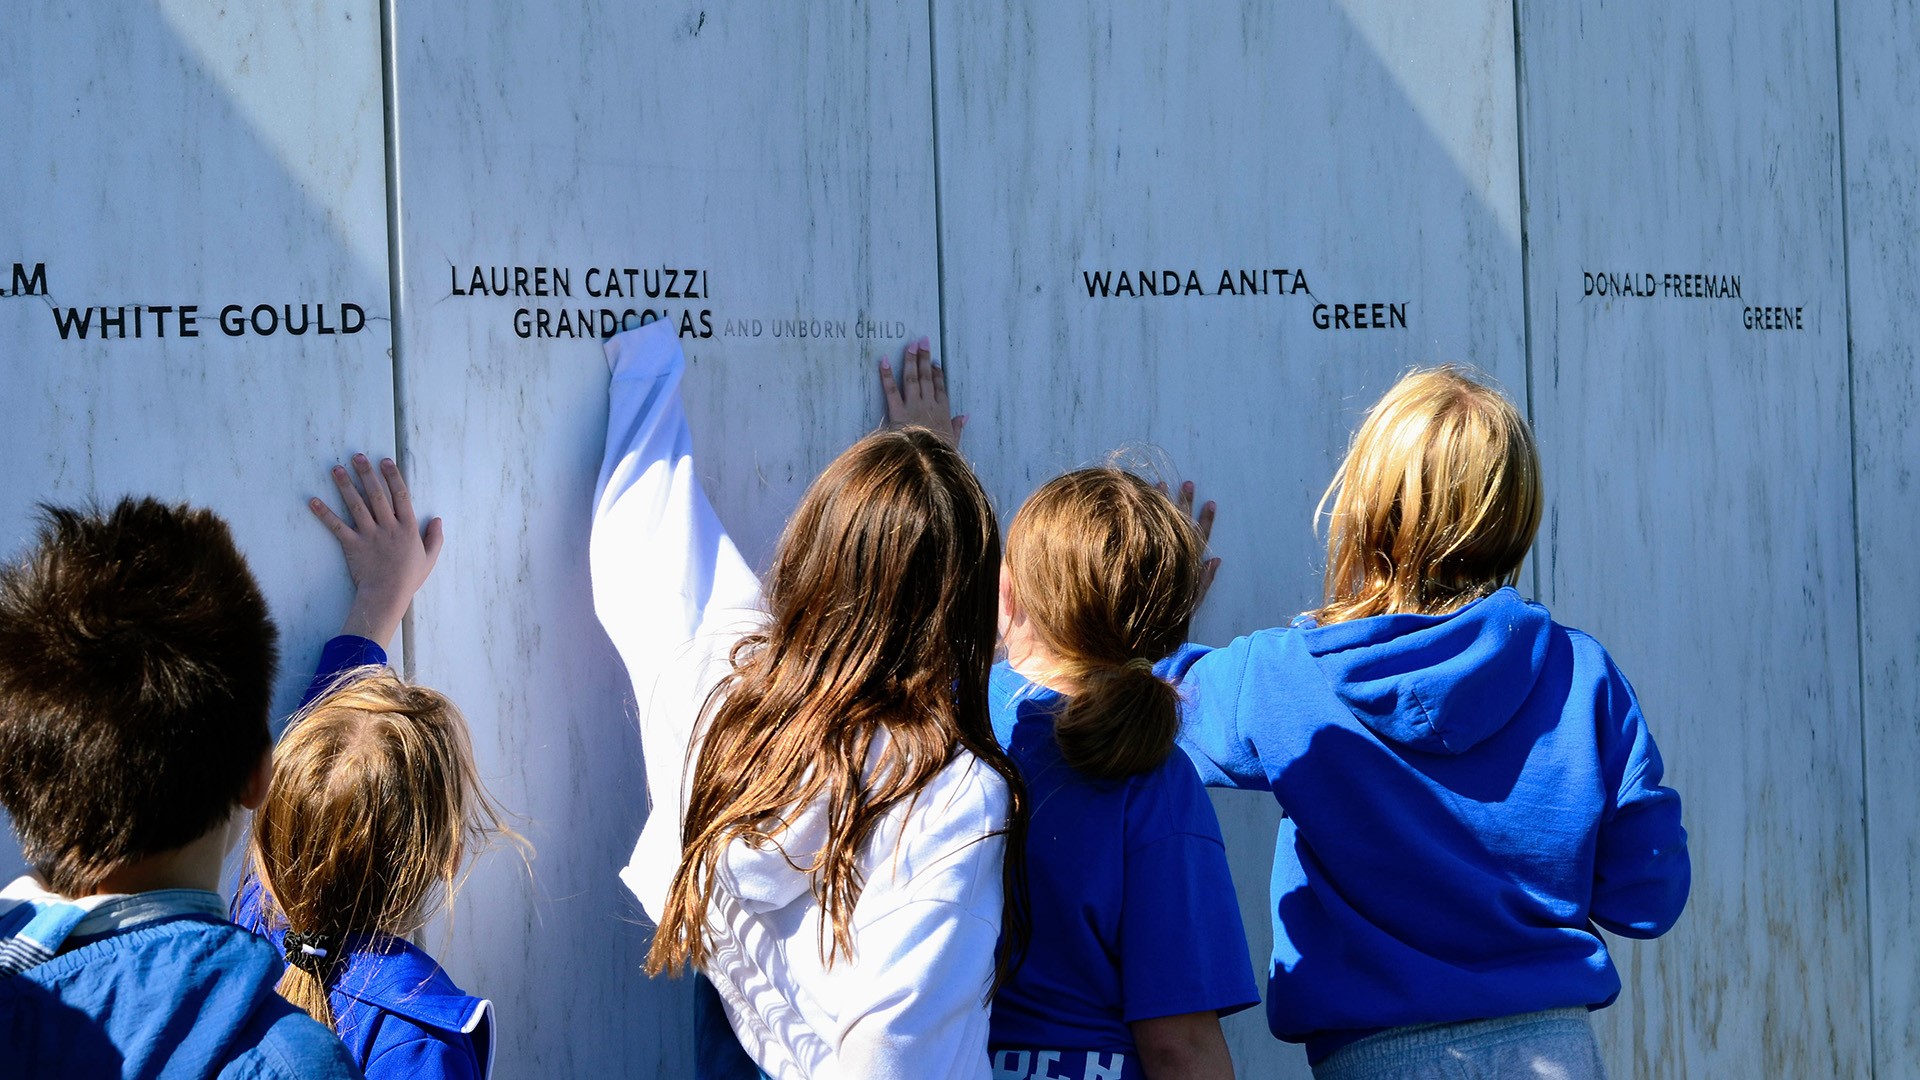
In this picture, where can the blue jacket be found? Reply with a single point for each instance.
(398, 1013)
(187, 996)
(1468, 797)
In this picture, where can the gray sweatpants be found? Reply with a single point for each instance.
(1553, 1045)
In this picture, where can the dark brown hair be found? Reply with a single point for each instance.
(374, 808)
(1107, 570)
(137, 661)
(1437, 502)
(882, 602)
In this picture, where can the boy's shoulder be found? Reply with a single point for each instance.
(192, 995)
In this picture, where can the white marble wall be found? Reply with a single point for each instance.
(785, 155)
(1362, 145)
(1699, 519)
(958, 169)
(198, 154)
(1880, 97)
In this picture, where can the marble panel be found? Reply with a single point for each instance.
(1880, 97)
(1689, 386)
(177, 176)
(1168, 228)
(766, 175)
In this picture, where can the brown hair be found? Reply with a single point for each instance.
(1107, 569)
(882, 602)
(374, 807)
(137, 660)
(1437, 502)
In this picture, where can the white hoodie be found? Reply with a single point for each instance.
(674, 595)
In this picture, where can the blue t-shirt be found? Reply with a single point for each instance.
(1134, 915)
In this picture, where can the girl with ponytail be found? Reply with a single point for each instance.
(1137, 944)
(371, 817)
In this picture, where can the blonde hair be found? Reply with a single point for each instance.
(1437, 502)
(1107, 569)
(374, 807)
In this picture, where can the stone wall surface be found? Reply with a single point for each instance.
(193, 244)
(1879, 99)
(1682, 170)
(1208, 237)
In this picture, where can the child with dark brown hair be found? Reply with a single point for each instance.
(136, 670)
(373, 811)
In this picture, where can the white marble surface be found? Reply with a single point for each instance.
(201, 154)
(1880, 86)
(1363, 144)
(1699, 518)
(785, 154)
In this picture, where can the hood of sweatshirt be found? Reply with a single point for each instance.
(1440, 684)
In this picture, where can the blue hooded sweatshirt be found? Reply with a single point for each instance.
(148, 985)
(1468, 797)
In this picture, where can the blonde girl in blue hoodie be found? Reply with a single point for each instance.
(1471, 791)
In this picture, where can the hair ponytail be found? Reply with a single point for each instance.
(1120, 721)
(311, 962)
(1107, 570)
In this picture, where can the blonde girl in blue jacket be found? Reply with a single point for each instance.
(1472, 793)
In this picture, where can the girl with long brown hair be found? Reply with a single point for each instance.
(830, 809)
(1471, 791)
(1138, 949)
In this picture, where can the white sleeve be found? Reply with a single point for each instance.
(932, 963)
(664, 570)
(668, 584)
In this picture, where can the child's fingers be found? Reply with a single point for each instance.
(1185, 501)
(435, 537)
(959, 424)
(377, 499)
(1207, 571)
(923, 360)
(890, 390)
(939, 383)
(350, 495)
(330, 519)
(397, 487)
(1206, 522)
(910, 391)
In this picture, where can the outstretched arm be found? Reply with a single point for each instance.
(665, 573)
(668, 584)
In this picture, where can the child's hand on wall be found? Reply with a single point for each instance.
(919, 395)
(1204, 522)
(388, 555)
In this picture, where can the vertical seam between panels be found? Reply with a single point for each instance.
(396, 269)
(1526, 250)
(939, 230)
(1859, 566)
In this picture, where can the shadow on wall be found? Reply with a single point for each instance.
(1367, 143)
(137, 171)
